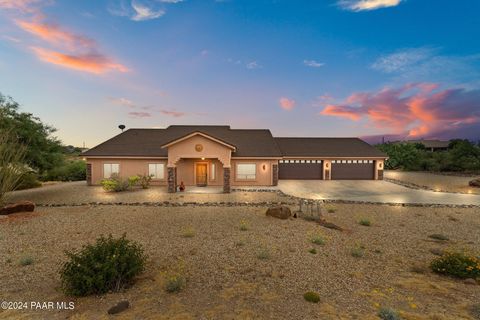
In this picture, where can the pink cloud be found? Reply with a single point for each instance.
(287, 104)
(139, 114)
(26, 6)
(414, 110)
(54, 34)
(93, 63)
(175, 114)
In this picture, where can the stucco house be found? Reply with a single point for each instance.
(221, 156)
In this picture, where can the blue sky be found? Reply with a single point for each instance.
(401, 69)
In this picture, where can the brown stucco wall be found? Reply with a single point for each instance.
(128, 167)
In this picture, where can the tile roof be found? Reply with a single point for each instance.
(248, 143)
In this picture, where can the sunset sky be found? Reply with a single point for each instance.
(396, 68)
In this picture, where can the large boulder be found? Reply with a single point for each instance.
(280, 212)
(23, 206)
(474, 183)
(119, 307)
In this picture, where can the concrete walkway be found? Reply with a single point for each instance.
(372, 191)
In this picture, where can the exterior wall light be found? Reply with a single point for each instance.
(264, 167)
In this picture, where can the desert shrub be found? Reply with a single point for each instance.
(439, 236)
(75, 170)
(109, 264)
(331, 210)
(175, 283)
(365, 222)
(311, 296)
(115, 184)
(144, 180)
(28, 180)
(313, 251)
(243, 225)
(317, 239)
(388, 314)
(26, 261)
(357, 251)
(263, 254)
(457, 264)
(188, 232)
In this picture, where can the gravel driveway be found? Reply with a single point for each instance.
(372, 191)
(434, 181)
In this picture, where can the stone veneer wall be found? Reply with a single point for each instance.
(226, 180)
(171, 173)
(275, 174)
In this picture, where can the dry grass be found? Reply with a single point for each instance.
(222, 279)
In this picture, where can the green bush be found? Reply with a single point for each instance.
(70, 171)
(457, 264)
(313, 251)
(108, 265)
(311, 296)
(365, 222)
(358, 251)
(116, 184)
(388, 314)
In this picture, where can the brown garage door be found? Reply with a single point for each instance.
(353, 170)
(290, 169)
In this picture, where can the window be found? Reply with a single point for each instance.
(156, 170)
(344, 161)
(246, 171)
(109, 169)
(354, 161)
(212, 171)
(370, 161)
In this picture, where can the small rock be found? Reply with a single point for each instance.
(436, 251)
(119, 307)
(470, 281)
(474, 183)
(280, 212)
(23, 206)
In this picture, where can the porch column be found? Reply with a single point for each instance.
(172, 179)
(226, 180)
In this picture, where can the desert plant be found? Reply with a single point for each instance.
(313, 251)
(317, 239)
(311, 296)
(365, 222)
(110, 264)
(133, 180)
(144, 180)
(243, 225)
(12, 153)
(263, 254)
(439, 236)
(73, 170)
(457, 264)
(28, 180)
(188, 232)
(357, 251)
(175, 283)
(26, 261)
(388, 314)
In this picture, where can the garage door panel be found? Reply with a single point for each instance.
(300, 171)
(353, 171)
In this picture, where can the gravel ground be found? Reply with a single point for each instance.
(79, 192)
(432, 181)
(225, 277)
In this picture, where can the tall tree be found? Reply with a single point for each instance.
(44, 151)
